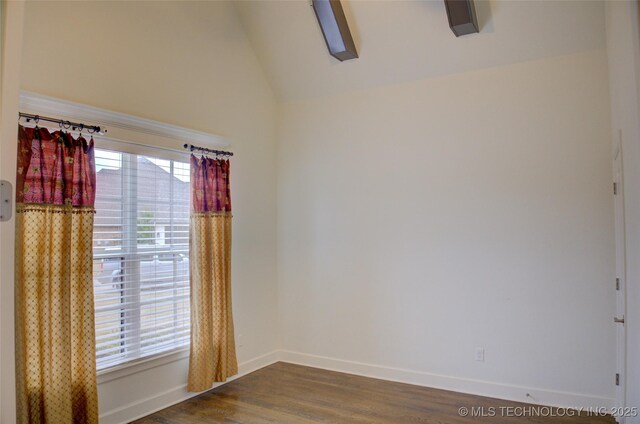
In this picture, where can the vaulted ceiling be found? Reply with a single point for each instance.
(401, 41)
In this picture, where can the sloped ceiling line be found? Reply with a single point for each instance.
(401, 41)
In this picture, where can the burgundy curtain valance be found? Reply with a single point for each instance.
(55, 168)
(210, 185)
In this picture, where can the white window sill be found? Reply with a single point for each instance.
(119, 371)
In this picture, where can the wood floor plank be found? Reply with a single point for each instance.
(294, 394)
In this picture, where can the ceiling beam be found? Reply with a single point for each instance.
(462, 16)
(335, 29)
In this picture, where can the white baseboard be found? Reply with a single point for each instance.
(476, 387)
(143, 407)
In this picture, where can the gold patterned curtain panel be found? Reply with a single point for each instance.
(213, 354)
(55, 342)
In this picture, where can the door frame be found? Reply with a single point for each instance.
(621, 274)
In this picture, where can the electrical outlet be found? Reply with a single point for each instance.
(240, 344)
(480, 354)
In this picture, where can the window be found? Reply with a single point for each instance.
(141, 256)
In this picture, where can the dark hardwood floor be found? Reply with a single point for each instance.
(287, 393)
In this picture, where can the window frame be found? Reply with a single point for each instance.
(131, 249)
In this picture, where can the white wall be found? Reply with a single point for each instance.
(12, 26)
(417, 222)
(189, 64)
(623, 39)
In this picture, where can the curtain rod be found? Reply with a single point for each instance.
(64, 124)
(191, 148)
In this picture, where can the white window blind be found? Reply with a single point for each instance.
(141, 256)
